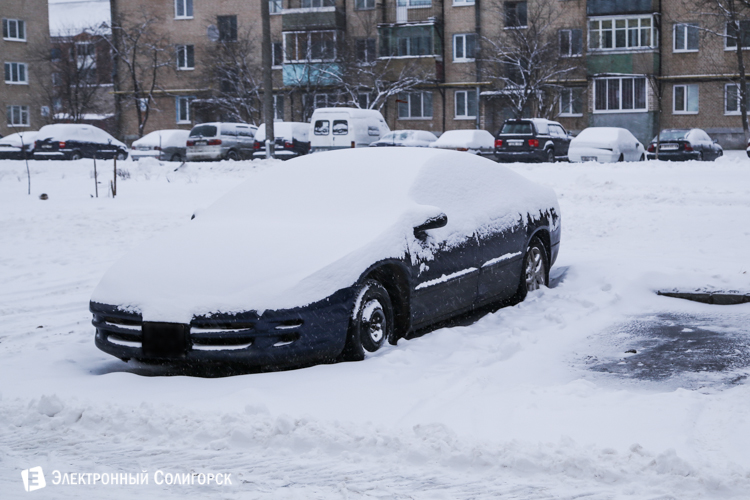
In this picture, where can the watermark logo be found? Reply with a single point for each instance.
(33, 479)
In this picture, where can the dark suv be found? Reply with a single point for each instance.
(531, 139)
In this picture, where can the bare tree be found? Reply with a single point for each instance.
(729, 21)
(141, 50)
(523, 60)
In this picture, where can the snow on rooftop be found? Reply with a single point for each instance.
(71, 17)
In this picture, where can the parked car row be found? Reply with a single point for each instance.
(62, 141)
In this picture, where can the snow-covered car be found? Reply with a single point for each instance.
(477, 142)
(328, 257)
(73, 141)
(406, 138)
(18, 146)
(220, 141)
(606, 145)
(531, 139)
(164, 145)
(685, 144)
(291, 139)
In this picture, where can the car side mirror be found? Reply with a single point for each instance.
(420, 231)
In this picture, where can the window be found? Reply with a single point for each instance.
(366, 50)
(515, 15)
(306, 4)
(182, 105)
(464, 47)
(733, 35)
(363, 100)
(310, 46)
(44, 110)
(571, 102)
(278, 53)
(732, 98)
(466, 104)
(620, 94)
(56, 79)
(185, 57)
(14, 29)
(364, 4)
(623, 33)
(322, 127)
(414, 45)
(183, 9)
(321, 101)
(275, 6)
(414, 105)
(458, 3)
(340, 127)
(17, 116)
(685, 99)
(55, 54)
(85, 55)
(571, 42)
(686, 37)
(278, 108)
(414, 3)
(227, 28)
(16, 73)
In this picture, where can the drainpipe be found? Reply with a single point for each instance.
(477, 61)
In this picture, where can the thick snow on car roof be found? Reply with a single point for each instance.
(285, 130)
(472, 139)
(174, 138)
(297, 232)
(14, 140)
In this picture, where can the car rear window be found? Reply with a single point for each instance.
(517, 128)
(228, 130)
(244, 132)
(203, 131)
(340, 127)
(322, 127)
(673, 135)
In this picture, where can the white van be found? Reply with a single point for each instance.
(338, 128)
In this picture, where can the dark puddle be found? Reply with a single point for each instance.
(680, 350)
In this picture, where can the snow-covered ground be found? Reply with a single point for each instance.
(505, 407)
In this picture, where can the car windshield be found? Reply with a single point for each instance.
(673, 135)
(517, 128)
(203, 131)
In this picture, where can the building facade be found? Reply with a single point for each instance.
(24, 42)
(439, 64)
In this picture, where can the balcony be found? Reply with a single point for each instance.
(304, 74)
(617, 7)
(313, 18)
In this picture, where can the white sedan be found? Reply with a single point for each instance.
(477, 142)
(606, 145)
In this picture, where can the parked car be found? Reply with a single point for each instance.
(407, 138)
(532, 139)
(18, 146)
(221, 141)
(328, 257)
(685, 144)
(73, 141)
(339, 128)
(477, 142)
(291, 139)
(164, 145)
(605, 145)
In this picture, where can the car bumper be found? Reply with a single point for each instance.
(281, 338)
(675, 156)
(280, 154)
(13, 155)
(593, 154)
(137, 155)
(204, 153)
(536, 155)
(52, 155)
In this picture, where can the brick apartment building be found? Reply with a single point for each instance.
(25, 36)
(629, 56)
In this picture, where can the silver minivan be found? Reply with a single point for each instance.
(221, 141)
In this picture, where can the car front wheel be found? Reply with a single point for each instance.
(551, 155)
(121, 156)
(232, 155)
(76, 155)
(371, 323)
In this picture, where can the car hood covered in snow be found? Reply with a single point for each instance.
(299, 231)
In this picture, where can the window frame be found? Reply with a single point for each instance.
(275, 52)
(506, 16)
(278, 111)
(462, 3)
(464, 59)
(278, 7)
(619, 95)
(571, 109)
(6, 28)
(364, 4)
(466, 116)
(178, 99)
(185, 49)
(613, 31)
(368, 43)
(233, 29)
(322, 4)
(422, 105)
(727, 86)
(185, 4)
(23, 111)
(309, 45)
(18, 66)
(414, 4)
(684, 36)
(569, 32)
(727, 39)
(686, 87)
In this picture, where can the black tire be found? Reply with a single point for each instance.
(700, 156)
(371, 322)
(535, 271)
(550, 155)
(232, 155)
(176, 157)
(76, 155)
(122, 156)
(643, 157)
(621, 158)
